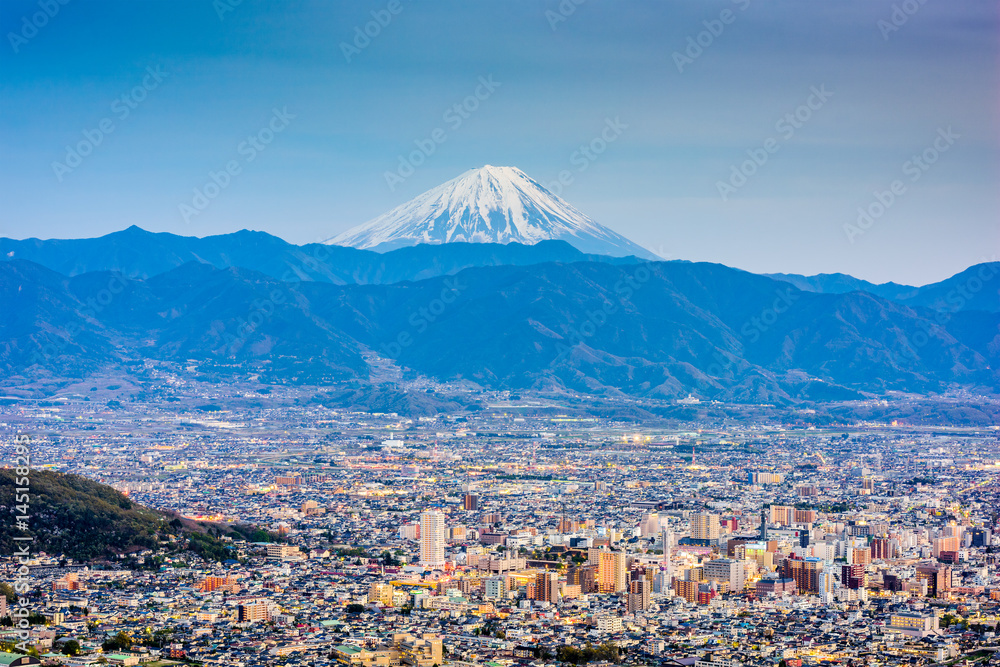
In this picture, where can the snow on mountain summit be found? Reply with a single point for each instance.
(488, 205)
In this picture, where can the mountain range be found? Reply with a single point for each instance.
(137, 253)
(652, 329)
(487, 279)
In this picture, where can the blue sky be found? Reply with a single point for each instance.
(200, 78)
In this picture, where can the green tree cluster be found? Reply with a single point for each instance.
(606, 652)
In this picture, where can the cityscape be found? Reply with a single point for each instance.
(510, 333)
(512, 537)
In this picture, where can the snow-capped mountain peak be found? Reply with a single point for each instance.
(488, 205)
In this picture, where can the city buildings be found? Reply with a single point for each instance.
(545, 561)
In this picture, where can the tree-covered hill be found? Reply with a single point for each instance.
(89, 521)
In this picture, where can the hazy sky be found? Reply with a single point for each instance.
(183, 85)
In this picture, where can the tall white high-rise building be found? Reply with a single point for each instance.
(825, 583)
(432, 539)
(667, 538)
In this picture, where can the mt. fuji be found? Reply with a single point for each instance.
(488, 205)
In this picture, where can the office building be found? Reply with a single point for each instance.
(775, 587)
(892, 582)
